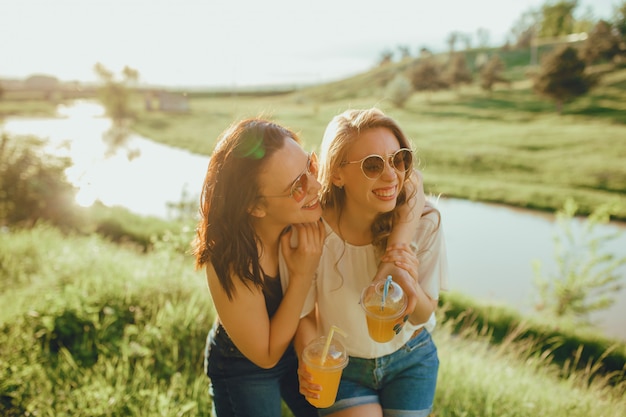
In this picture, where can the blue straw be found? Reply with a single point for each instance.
(385, 291)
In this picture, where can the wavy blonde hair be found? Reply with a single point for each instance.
(341, 133)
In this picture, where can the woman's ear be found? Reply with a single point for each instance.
(257, 210)
(337, 180)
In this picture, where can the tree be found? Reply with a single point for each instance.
(491, 73)
(619, 22)
(457, 71)
(603, 43)
(386, 57)
(115, 96)
(427, 76)
(561, 77)
(587, 278)
(557, 18)
(620, 19)
(399, 90)
(453, 38)
(405, 52)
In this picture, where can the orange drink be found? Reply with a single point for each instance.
(384, 304)
(381, 322)
(327, 371)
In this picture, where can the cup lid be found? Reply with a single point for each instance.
(375, 295)
(337, 355)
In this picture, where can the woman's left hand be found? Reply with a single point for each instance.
(402, 256)
(400, 262)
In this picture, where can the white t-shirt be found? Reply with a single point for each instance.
(344, 271)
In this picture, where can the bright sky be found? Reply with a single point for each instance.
(239, 42)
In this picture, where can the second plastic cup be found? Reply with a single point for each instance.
(383, 309)
(325, 372)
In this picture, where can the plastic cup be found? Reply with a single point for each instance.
(325, 372)
(381, 316)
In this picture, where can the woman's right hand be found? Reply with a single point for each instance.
(307, 387)
(302, 260)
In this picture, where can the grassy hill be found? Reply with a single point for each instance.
(508, 146)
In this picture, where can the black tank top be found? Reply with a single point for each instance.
(273, 293)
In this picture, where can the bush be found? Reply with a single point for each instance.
(399, 90)
(33, 185)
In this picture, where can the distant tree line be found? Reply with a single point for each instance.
(562, 76)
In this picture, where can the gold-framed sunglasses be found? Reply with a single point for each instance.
(373, 166)
(300, 185)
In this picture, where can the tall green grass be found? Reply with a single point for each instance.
(93, 328)
(479, 379)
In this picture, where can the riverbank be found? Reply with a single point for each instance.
(508, 148)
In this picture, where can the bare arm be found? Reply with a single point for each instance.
(259, 338)
(402, 235)
(404, 257)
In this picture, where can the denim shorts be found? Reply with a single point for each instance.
(403, 382)
(241, 388)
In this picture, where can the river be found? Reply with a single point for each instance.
(491, 248)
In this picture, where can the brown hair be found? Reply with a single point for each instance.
(225, 233)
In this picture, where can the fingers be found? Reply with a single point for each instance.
(310, 235)
(404, 260)
(400, 324)
(397, 249)
(307, 387)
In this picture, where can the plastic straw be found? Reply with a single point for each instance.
(331, 332)
(385, 291)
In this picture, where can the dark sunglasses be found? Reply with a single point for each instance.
(300, 185)
(373, 166)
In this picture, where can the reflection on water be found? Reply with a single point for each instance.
(140, 175)
(490, 248)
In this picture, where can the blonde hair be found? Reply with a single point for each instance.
(341, 133)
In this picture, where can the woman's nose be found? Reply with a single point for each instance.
(389, 171)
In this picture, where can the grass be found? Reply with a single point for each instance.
(506, 147)
(479, 379)
(93, 328)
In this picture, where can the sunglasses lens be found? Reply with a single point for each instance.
(373, 166)
(299, 187)
(402, 160)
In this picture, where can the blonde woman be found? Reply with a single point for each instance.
(365, 163)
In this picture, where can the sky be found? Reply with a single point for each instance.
(236, 43)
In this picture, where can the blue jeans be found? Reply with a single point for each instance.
(403, 382)
(240, 388)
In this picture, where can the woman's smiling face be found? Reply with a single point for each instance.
(284, 167)
(373, 195)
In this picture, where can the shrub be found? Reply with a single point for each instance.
(33, 185)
